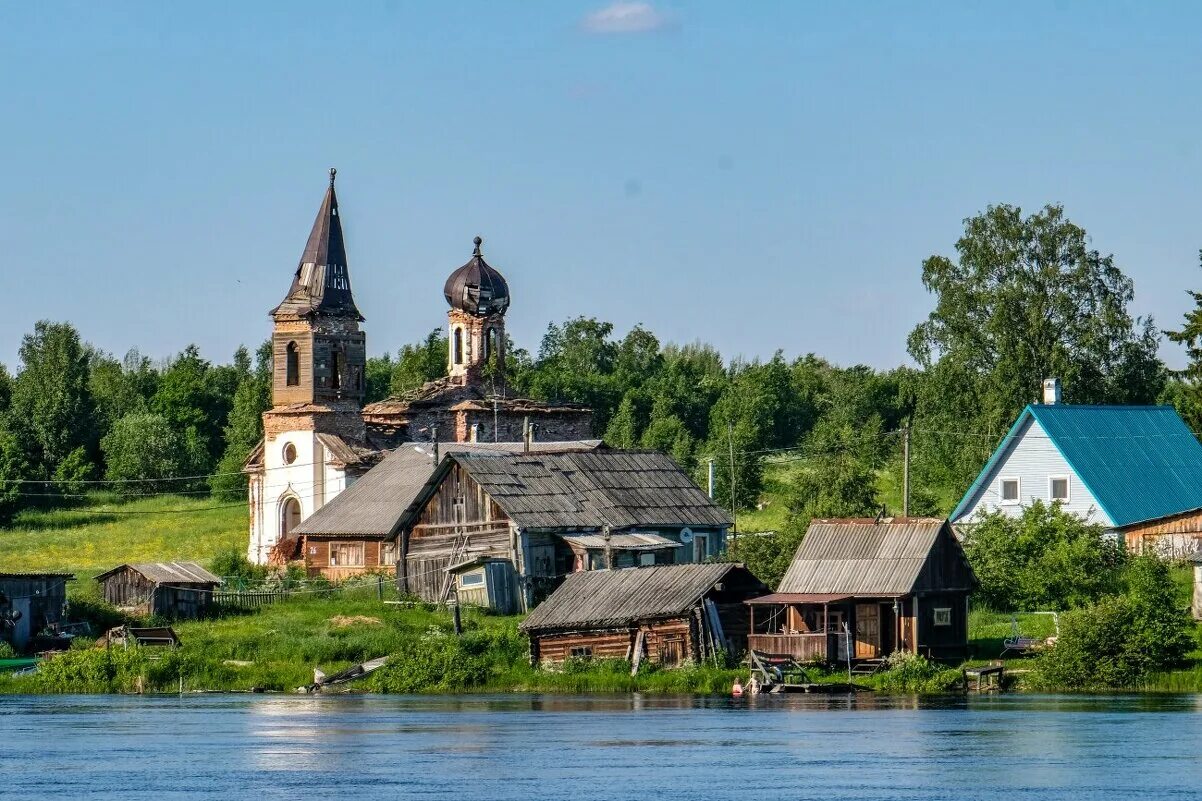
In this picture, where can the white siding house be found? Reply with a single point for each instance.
(1030, 468)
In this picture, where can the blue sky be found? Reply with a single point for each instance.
(759, 176)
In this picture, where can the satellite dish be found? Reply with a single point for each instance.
(686, 535)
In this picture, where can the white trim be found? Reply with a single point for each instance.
(1001, 491)
(941, 612)
(1067, 488)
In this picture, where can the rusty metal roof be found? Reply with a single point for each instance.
(621, 597)
(168, 572)
(616, 488)
(322, 283)
(800, 598)
(476, 288)
(866, 557)
(374, 503)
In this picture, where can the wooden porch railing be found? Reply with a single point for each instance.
(802, 647)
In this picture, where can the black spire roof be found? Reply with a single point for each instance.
(322, 284)
(477, 288)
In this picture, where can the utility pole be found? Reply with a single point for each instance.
(730, 432)
(906, 471)
(710, 476)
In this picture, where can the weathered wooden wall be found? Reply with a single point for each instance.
(316, 554)
(669, 642)
(1176, 536)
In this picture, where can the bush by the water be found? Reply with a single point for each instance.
(1120, 639)
(6, 650)
(442, 662)
(907, 672)
(1045, 559)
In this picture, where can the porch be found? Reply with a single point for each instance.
(817, 627)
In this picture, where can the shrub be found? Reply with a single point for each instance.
(1045, 559)
(6, 650)
(1121, 639)
(232, 563)
(437, 662)
(907, 672)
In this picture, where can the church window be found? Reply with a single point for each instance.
(458, 346)
(336, 370)
(289, 453)
(292, 365)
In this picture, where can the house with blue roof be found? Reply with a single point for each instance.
(1137, 470)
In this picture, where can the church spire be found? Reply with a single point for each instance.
(322, 283)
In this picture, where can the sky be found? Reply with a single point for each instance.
(760, 176)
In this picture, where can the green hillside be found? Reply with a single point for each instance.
(90, 539)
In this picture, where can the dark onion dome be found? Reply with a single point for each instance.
(476, 288)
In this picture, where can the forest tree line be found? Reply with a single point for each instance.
(1024, 297)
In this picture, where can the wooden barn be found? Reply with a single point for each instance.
(669, 615)
(29, 604)
(553, 514)
(862, 589)
(170, 589)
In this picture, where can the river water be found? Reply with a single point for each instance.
(554, 747)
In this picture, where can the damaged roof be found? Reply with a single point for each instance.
(322, 283)
(621, 597)
(168, 572)
(374, 504)
(615, 488)
(867, 557)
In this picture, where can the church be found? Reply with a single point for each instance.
(319, 437)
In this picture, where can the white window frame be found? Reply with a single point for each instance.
(463, 579)
(942, 616)
(1068, 489)
(1001, 490)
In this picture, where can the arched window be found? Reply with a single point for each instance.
(458, 346)
(292, 365)
(490, 343)
(290, 516)
(336, 370)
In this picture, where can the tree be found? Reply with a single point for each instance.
(143, 449)
(419, 363)
(243, 431)
(1186, 392)
(52, 408)
(1046, 559)
(1027, 299)
(378, 375)
(191, 397)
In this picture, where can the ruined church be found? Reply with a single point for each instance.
(319, 437)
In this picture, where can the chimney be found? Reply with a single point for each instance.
(1051, 391)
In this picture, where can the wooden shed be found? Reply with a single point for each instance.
(170, 589)
(670, 614)
(861, 589)
(30, 603)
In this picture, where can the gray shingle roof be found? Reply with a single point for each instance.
(374, 504)
(862, 557)
(621, 489)
(169, 573)
(620, 597)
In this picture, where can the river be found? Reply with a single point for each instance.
(552, 747)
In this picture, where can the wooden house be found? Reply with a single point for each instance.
(355, 532)
(29, 604)
(553, 514)
(669, 614)
(1134, 470)
(862, 589)
(169, 589)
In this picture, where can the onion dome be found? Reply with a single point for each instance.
(476, 288)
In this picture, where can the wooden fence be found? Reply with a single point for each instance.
(254, 599)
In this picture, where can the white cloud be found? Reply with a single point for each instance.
(626, 17)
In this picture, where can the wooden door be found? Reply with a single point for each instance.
(868, 631)
(671, 651)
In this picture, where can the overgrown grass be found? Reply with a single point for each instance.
(92, 538)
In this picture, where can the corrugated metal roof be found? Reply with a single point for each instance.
(862, 557)
(620, 597)
(374, 503)
(1140, 462)
(621, 489)
(169, 572)
(34, 574)
(624, 542)
(799, 598)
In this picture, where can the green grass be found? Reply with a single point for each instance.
(91, 539)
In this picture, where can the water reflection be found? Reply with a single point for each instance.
(599, 747)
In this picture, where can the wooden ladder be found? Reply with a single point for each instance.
(456, 555)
